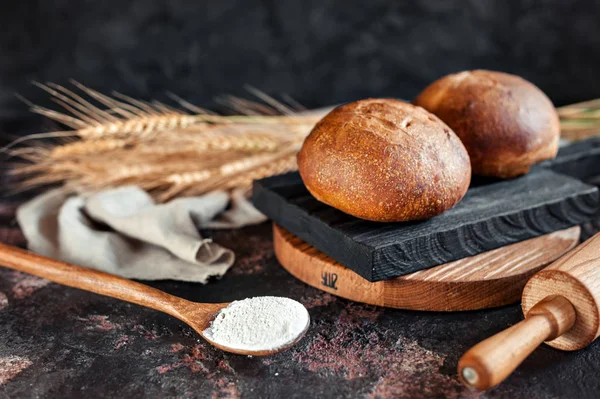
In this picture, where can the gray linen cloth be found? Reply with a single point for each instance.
(123, 231)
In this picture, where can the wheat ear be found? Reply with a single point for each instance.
(169, 151)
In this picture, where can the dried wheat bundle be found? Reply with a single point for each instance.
(168, 151)
(580, 121)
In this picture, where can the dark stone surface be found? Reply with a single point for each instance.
(60, 342)
(490, 215)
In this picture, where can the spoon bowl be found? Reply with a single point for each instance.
(197, 315)
(265, 352)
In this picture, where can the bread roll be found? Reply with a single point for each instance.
(506, 123)
(385, 160)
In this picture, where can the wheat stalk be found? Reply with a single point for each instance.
(244, 181)
(82, 148)
(130, 117)
(184, 150)
(580, 121)
(169, 151)
(229, 175)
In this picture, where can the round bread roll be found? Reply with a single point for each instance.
(385, 160)
(506, 123)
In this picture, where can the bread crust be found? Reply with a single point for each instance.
(385, 160)
(506, 123)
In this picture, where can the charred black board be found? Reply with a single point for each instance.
(580, 160)
(491, 215)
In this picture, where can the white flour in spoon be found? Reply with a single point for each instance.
(258, 324)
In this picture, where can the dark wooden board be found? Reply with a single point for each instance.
(580, 160)
(491, 215)
(489, 279)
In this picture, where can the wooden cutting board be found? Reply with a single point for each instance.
(493, 214)
(489, 279)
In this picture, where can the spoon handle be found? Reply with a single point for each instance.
(90, 280)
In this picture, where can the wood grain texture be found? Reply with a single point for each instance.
(489, 362)
(580, 160)
(490, 216)
(576, 276)
(490, 279)
(561, 305)
(196, 315)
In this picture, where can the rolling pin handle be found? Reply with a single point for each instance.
(488, 363)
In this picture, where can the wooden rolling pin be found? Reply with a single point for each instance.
(561, 305)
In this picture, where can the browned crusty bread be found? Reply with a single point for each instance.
(506, 123)
(385, 160)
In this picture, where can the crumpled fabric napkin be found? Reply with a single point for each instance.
(123, 231)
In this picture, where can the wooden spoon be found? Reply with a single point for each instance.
(196, 315)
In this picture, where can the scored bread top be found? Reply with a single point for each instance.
(385, 160)
(505, 122)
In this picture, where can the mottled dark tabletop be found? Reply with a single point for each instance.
(60, 342)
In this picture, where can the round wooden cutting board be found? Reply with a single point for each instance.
(490, 279)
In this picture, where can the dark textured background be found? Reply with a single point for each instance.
(319, 51)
